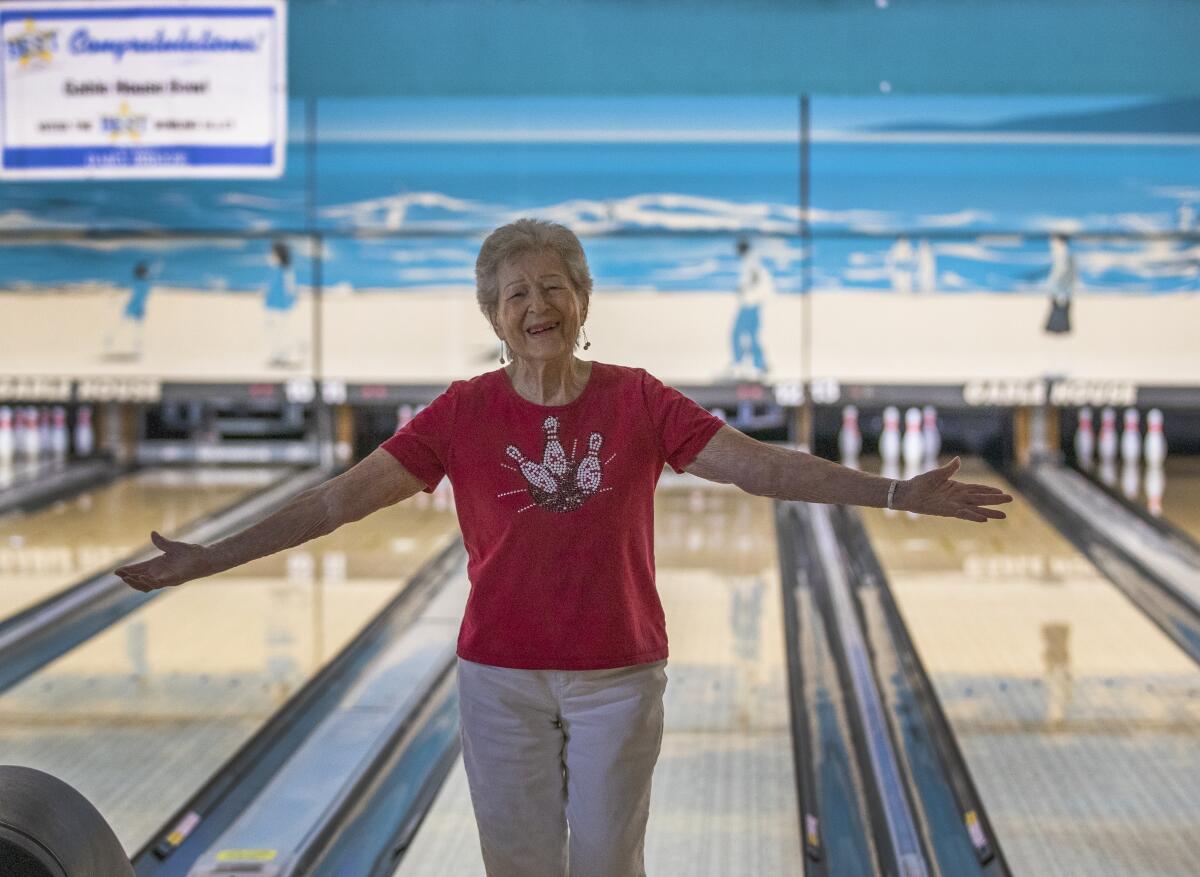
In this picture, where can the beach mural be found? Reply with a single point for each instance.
(689, 208)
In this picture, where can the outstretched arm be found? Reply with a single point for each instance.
(731, 457)
(377, 481)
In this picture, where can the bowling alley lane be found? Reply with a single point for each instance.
(724, 793)
(47, 551)
(1181, 494)
(1078, 718)
(139, 717)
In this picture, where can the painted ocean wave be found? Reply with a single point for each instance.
(662, 263)
(655, 216)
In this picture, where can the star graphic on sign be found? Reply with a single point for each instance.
(38, 43)
(125, 125)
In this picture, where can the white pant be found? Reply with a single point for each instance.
(544, 749)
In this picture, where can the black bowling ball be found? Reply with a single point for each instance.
(47, 829)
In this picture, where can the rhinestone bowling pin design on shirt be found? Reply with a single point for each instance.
(559, 483)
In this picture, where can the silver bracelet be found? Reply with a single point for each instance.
(891, 494)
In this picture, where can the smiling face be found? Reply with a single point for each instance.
(539, 312)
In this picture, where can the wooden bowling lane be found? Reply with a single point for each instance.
(46, 551)
(1181, 494)
(1078, 718)
(140, 716)
(724, 792)
(724, 796)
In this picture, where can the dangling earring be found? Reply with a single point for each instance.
(503, 351)
(586, 343)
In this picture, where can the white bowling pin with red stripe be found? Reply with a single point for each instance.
(1085, 440)
(31, 446)
(1131, 437)
(7, 439)
(913, 443)
(932, 437)
(889, 439)
(58, 433)
(45, 433)
(85, 435)
(849, 437)
(1155, 447)
(1106, 444)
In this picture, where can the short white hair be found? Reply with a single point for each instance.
(519, 238)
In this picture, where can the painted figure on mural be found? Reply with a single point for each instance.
(1060, 285)
(124, 341)
(755, 288)
(901, 262)
(283, 340)
(926, 267)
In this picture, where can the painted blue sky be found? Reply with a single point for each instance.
(767, 118)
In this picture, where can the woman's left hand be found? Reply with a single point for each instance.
(933, 493)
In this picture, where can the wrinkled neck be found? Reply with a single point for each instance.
(553, 382)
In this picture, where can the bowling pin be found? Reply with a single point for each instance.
(18, 422)
(587, 476)
(29, 436)
(1155, 447)
(720, 414)
(58, 433)
(1131, 437)
(1085, 440)
(913, 443)
(889, 439)
(45, 433)
(913, 446)
(403, 415)
(1107, 443)
(850, 438)
(932, 437)
(535, 473)
(1156, 483)
(7, 443)
(85, 436)
(554, 457)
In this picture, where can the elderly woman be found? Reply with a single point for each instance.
(563, 646)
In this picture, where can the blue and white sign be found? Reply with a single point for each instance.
(181, 88)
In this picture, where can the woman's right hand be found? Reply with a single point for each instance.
(179, 562)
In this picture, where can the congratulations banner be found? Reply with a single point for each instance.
(138, 89)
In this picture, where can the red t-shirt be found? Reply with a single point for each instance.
(556, 507)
